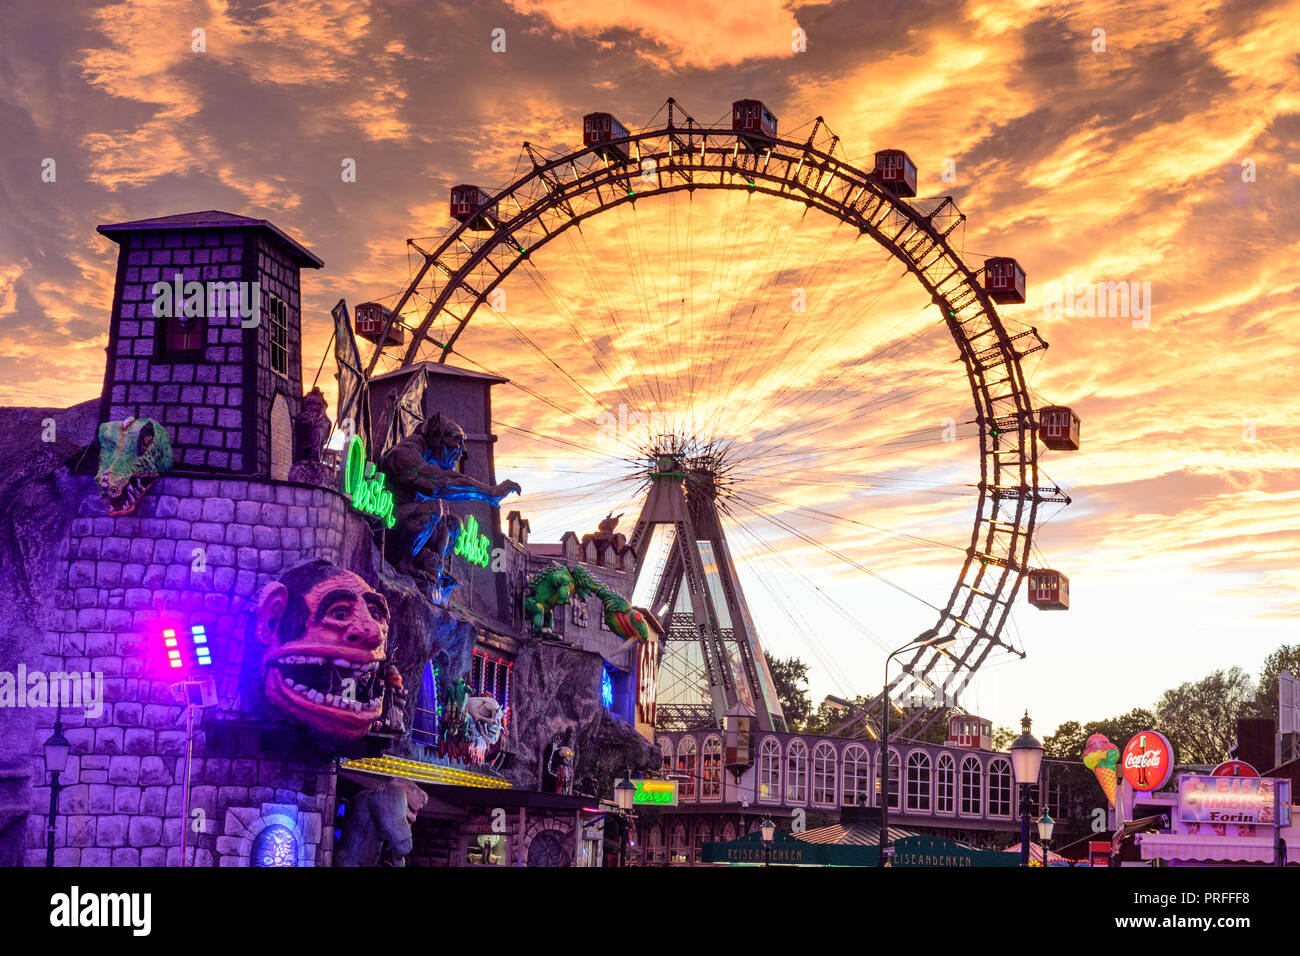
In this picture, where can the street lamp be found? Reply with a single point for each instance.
(928, 638)
(57, 748)
(1045, 827)
(625, 797)
(768, 829)
(1026, 758)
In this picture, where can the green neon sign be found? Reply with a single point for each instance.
(366, 486)
(472, 546)
(655, 792)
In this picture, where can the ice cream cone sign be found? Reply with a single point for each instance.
(1102, 758)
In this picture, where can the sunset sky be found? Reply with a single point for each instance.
(1167, 158)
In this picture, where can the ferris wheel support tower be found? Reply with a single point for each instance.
(712, 656)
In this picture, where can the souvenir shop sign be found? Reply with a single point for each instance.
(1255, 801)
(365, 486)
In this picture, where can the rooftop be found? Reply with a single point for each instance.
(210, 219)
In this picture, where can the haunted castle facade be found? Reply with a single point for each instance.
(259, 650)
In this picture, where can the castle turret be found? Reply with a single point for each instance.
(205, 337)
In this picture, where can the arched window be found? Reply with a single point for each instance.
(281, 438)
(893, 780)
(918, 781)
(796, 772)
(702, 836)
(711, 766)
(666, 746)
(679, 848)
(823, 794)
(728, 832)
(655, 845)
(945, 784)
(999, 788)
(769, 770)
(857, 777)
(971, 803)
(686, 767)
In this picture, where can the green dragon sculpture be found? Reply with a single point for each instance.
(556, 585)
(133, 454)
(545, 591)
(623, 619)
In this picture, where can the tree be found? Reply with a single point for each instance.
(1200, 717)
(1286, 657)
(1068, 741)
(1002, 737)
(790, 678)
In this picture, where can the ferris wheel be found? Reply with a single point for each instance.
(753, 316)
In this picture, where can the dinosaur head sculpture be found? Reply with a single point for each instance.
(133, 454)
(324, 634)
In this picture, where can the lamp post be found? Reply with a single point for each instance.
(768, 830)
(1026, 758)
(928, 638)
(57, 748)
(625, 797)
(1045, 826)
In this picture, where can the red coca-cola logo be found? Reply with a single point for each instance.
(1148, 761)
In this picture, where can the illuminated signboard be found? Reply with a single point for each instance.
(1250, 801)
(661, 793)
(1148, 761)
(365, 486)
(473, 546)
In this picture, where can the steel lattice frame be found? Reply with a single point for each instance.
(453, 280)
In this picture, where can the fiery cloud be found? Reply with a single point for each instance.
(1167, 159)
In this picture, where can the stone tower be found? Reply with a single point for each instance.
(225, 383)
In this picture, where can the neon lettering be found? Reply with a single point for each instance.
(472, 546)
(365, 486)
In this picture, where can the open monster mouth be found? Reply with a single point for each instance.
(124, 502)
(330, 684)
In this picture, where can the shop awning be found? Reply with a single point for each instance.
(1180, 846)
(1036, 853)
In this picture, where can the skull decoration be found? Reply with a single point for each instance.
(133, 454)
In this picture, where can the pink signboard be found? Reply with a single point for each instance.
(1232, 806)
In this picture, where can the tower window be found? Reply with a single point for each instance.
(279, 314)
(184, 334)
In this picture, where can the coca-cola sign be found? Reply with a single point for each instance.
(1148, 761)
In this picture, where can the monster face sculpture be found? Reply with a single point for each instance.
(324, 633)
(132, 455)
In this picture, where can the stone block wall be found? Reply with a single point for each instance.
(438, 842)
(196, 552)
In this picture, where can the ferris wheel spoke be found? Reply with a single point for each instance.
(808, 279)
(757, 563)
(845, 368)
